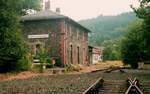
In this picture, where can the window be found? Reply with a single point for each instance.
(71, 54)
(70, 31)
(78, 55)
(83, 36)
(77, 34)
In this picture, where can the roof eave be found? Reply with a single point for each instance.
(37, 19)
(78, 24)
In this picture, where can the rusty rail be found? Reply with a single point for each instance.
(114, 69)
(134, 87)
(94, 88)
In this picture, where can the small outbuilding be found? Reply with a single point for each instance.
(144, 65)
(95, 54)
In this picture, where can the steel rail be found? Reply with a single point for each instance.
(133, 87)
(94, 88)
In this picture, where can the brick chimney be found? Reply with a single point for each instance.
(47, 5)
(58, 10)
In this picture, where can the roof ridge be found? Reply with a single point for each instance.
(48, 14)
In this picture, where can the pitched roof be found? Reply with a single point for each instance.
(48, 14)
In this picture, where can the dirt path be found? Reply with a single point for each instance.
(21, 75)
(85, 69)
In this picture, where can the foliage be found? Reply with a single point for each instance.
(143, 12)
(72, 67)
(58, 62)
(136, 46)
(132, 44)
(12, 48)
(31, 4)
(68, 68)
(42, 56)
(24, 64)
(49, 63)
(112, 50)
(20, 6)
(108, 34)
(105, 28)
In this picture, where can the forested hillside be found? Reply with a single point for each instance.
(105, 28)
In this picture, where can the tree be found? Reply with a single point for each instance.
(112, 50)
(143, 12)
(136, 46)
(103, 27)
(31, 4)
(132, 44)
(12, 47)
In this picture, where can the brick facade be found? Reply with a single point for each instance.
(66, 39)
(52, 43)
(76, 42)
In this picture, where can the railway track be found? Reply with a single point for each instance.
(95, 87)
(119, 86)
(112, 81)
(112, 87)
(146, 87)
(134, 87)
(115, 87)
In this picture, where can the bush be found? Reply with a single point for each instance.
(58, 62)
(42, 55)
(23, 64)
(68, 68)
(71, 67)
(49, 63)
(12, 48)
(134, 65)
(13, 58)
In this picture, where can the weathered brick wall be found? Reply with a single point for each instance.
(76, 37)
(73, 35)
(51, 27)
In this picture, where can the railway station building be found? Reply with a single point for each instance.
(63, 38)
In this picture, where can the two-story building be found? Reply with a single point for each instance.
(62, 37)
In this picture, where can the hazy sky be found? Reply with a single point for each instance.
(84, 9)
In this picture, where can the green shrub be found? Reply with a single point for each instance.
(134, 65)
(73, 67)
(23, 64)
(11, 57)
(58, 62)
(42, 55)
(49, 63)
(36, 68)
(68, 68)
(12, 46)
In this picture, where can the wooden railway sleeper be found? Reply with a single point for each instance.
(94, 88)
